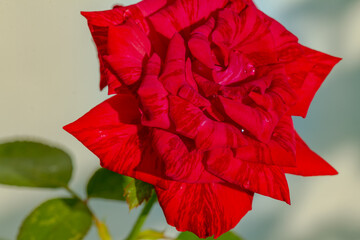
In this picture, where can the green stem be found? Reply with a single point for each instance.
(73, 193)
(142, 218)
(103, 231)
(101, 227)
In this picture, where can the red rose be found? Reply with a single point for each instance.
(204, 94)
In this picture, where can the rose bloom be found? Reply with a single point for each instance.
(204, 92)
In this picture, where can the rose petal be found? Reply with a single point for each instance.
(213, 134)
(100, 36)
(280, 151)
(189, 75)
(239, 5)
(204, 209)
(239, 69)
(153, 96)
(247, 33)
(105, 18)
(111, 131)
(186, 117)
(259, 122)
(174, 75)
(148, 7)
(183, 13)
(308, 163)
(199, 43)
(285, 42)
(207, 87)
(306, 76)
(239, 92)
(260, 178)
(126, 54)
(191, 122)
(181, 164)
(99, 23)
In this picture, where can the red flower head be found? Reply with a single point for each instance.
(204, 94)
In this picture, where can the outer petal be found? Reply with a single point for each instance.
(127, 47)
(307, 73)
(99, 23)
(111, 132)
(308, 162)
(259, 178)
(118, 14)
(183, 13)
(285, 43)
(148, 7)
(105, 18)
(100, 36)
(204, 209)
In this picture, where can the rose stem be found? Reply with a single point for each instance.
(101, 227)
(142, 218)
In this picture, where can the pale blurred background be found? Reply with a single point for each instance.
(49, 77)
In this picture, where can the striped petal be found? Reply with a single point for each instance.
(306, 75)
(111, 131)
(191, 122)
(259, 178)
(247, 33)
(176, 77)
(183, 13)
(280, 151)
(153, 97)
(187, 118)
(126, 54)
(204, 209)
(308, 163)
(199, 43)
(183, 162)
(257, 121)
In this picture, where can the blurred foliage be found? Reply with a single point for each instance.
(110, 185)
(34, 164)
(59, 218)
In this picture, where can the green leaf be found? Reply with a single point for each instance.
(110, 185)
(150, 235)
(225, 236)
(33, 164)
(137, 192)
(57, 219)
(107, 184)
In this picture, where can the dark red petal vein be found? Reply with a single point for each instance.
(204, 209)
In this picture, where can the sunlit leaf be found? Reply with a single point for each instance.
(33, 164)
(57, 219)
